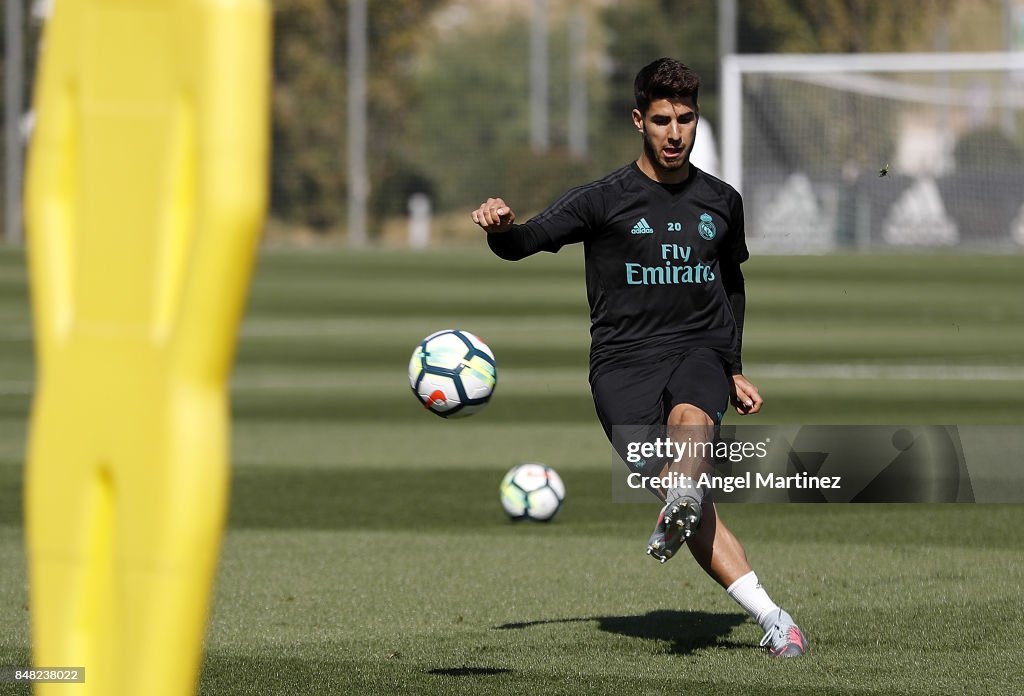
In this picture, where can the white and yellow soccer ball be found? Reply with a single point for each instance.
(453, 373)
(532, 492)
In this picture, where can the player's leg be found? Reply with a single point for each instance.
(629, 400)
(692, 430)
(721, 555)
(696, 398)
(629, 406)
(717, 550)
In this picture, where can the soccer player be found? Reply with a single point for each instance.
(663, 243)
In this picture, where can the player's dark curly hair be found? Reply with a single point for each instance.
(665, 78)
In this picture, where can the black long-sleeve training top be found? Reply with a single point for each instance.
(662, 262)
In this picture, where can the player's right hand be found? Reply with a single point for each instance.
(494, 215)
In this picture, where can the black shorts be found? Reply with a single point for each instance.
(634, 400)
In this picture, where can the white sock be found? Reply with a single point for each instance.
(749, 594)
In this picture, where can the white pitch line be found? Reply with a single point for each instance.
(412, 328)
(823, 371)
(847, 371)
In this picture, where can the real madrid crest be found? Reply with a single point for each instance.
(706, 228)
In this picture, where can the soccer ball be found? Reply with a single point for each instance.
(453, 373)
(532, 492)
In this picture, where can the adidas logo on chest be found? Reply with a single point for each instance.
(641, 227)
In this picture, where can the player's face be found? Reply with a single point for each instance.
(669, 128)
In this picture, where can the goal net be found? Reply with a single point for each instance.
(876, 150)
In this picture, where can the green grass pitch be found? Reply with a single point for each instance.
(367, 552)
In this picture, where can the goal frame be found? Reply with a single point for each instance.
(735, 66)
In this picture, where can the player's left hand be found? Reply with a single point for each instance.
(744, 396)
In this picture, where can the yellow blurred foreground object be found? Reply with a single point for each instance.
(145, 197)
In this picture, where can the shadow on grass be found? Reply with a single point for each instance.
(684, 631)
